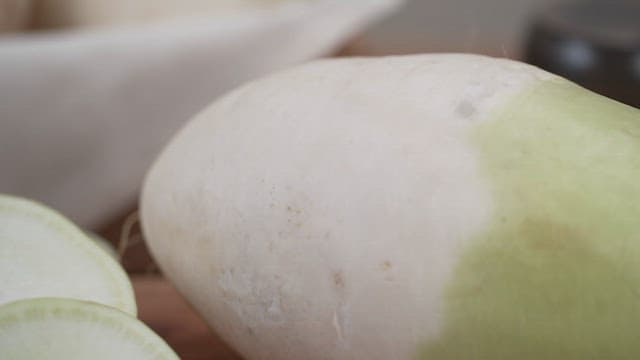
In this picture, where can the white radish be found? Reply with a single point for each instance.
(53, 328)
(42, 254)
(442, 207)
(103, 243)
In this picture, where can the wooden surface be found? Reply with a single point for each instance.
(164, 310)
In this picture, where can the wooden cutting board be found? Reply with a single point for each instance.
(165, 311)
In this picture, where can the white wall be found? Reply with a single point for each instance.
(495, 27)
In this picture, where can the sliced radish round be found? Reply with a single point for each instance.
(103, 244)
(42, 254)
(53, 328)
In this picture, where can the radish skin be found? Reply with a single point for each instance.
(441, 206)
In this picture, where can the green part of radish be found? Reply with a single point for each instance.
(53, 328)
(42, 254)
(557, 273)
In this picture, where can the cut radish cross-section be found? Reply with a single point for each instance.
(42, 254)
(53, 328)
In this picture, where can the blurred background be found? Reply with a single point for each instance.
(491, 27)
(91, 90)
(593, 42)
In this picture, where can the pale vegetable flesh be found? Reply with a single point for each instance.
(42, 254)
(50, 328)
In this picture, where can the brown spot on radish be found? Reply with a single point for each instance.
(465, 109)
(338, 280)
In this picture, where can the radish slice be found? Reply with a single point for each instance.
(42, 254)
(103, 244)
(53, 328)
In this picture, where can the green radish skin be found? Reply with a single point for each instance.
(53, 328)
(556, 275)
(436, 207)
(42, 254)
